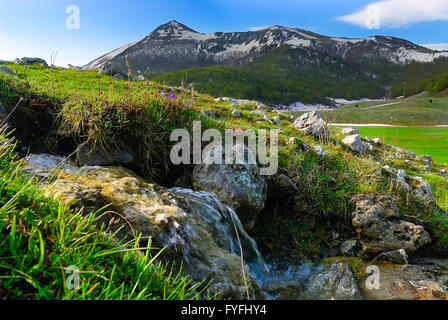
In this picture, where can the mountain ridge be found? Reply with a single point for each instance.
(174, 46)
(306, 69)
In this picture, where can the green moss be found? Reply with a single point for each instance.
(357, 265)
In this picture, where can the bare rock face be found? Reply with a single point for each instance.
(240, 186)
(312, 123)
(195, 228)
(379, 228)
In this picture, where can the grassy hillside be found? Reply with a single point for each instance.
(421, 141)
(40, 238)
(419, 111)
(78, 106)
(283, 76)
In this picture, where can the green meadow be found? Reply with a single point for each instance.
(420, 140)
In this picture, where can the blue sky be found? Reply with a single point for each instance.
(38, 27)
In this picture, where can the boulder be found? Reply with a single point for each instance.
(208, 114)
(320, 151)
(32, 61)
(95, 156)
(238, 185)
(350, 131)
(311, 123)
(118, 76)
(379, 228)
(334, 282)
(354, 143)
(397, 256)
(7, 71)
(278, 120)
(236, 114)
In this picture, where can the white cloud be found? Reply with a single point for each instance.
(399, 13)
(258, 28)
(437, 46)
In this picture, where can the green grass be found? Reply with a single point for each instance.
(96, 108)
(410, 112)
(421, 141)
(40, 238)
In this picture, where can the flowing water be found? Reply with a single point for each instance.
(185, 233)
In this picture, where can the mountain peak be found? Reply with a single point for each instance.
(172, 27)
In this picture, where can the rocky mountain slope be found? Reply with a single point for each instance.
(305, 65)
(174, 46)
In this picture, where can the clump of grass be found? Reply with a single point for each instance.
(40, 238)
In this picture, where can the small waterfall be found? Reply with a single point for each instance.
(197, 228)
(224, 220)
(276, 282)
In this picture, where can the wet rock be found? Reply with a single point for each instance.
(350, 131)
(354, 143)
(426, 279)
(311, 123)
(238, 185)
(379, 228)
(334, 282)
(86, 155)
(195, 228)
(7, 71)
